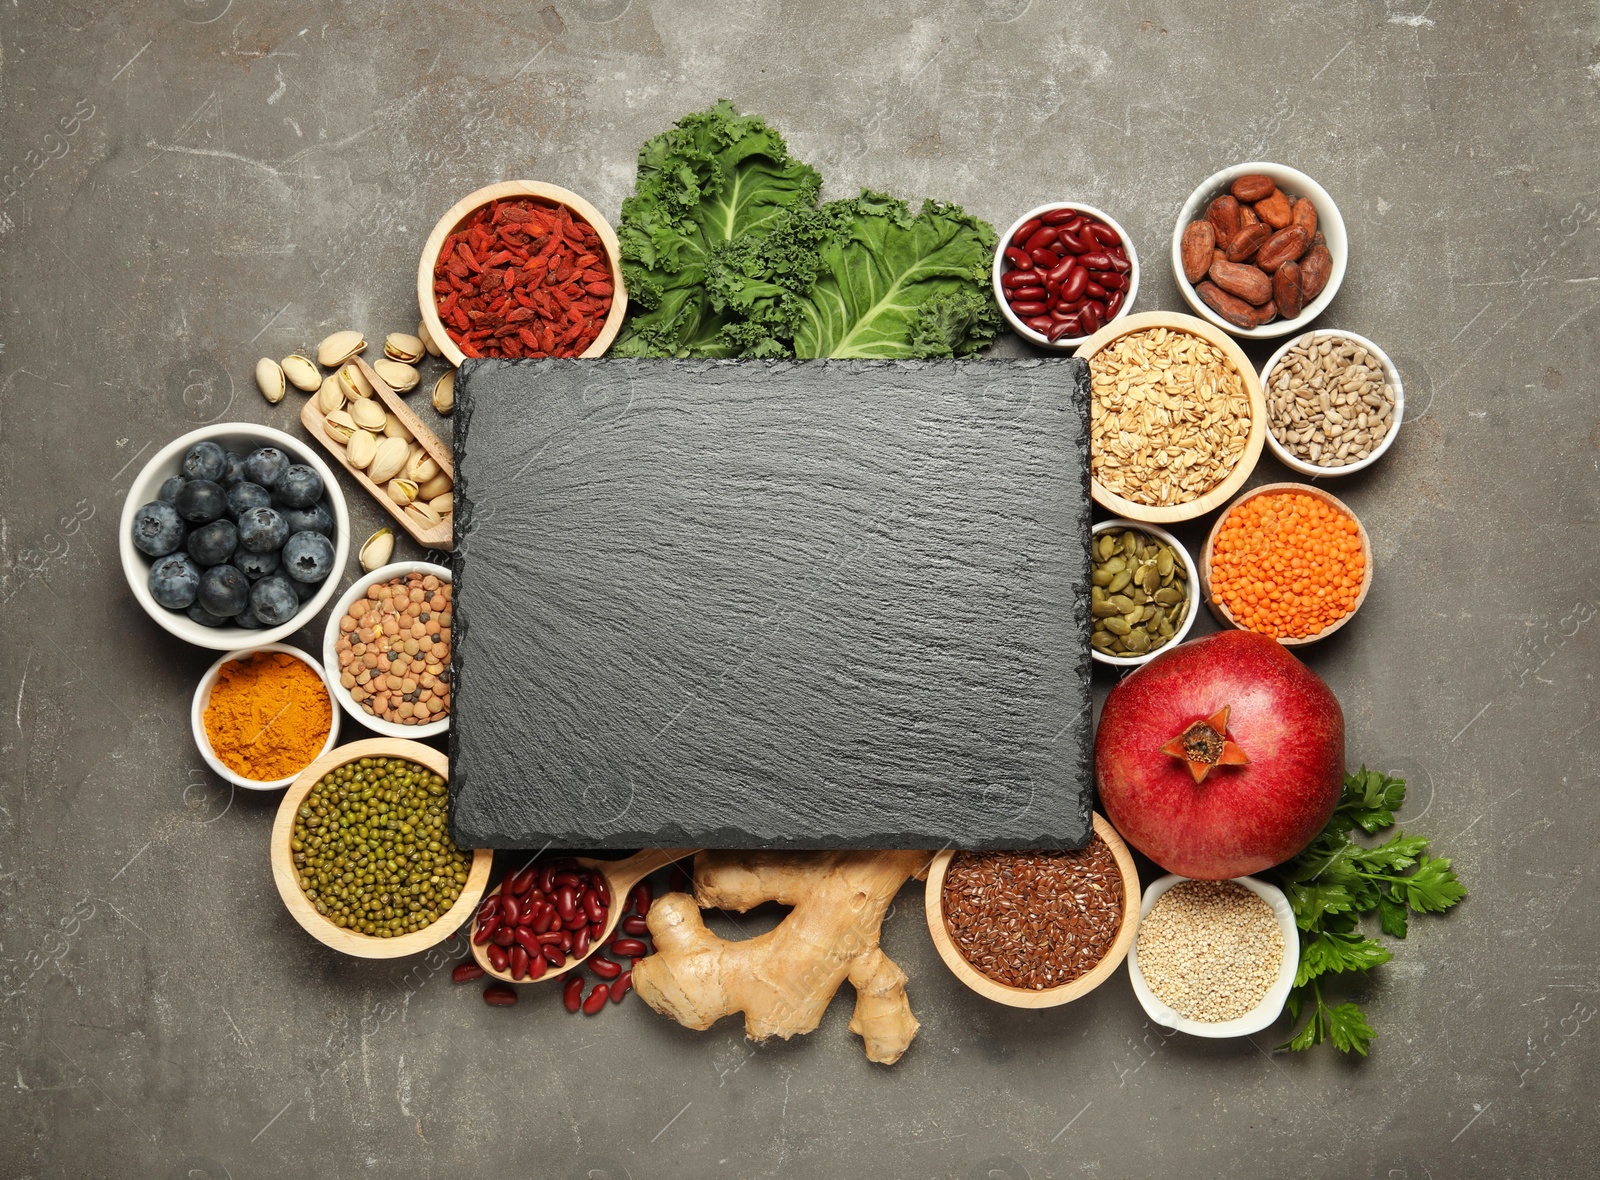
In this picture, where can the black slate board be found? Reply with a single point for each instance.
(771, 604)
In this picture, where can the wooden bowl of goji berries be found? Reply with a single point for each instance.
(521, 269)
(1289, 561)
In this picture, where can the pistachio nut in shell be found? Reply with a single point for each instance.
(269, 379)
(301, 373)
(388, 462)
(338, 348)
(423, 512)
(377, 551)
(394, 428)
(369, 414)
(427, 339)
(403, 347)
(339, 425)
(398, 376)
(435, 487)
(402, 491)
(444, 504)
(444, 392)
(330, 396)
(422, 468)
(354, 383)
(362, 448)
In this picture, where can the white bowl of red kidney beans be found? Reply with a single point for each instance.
(1063, 271)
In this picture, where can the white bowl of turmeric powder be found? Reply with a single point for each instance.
(261, 715)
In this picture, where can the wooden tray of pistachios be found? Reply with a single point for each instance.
(374, 435)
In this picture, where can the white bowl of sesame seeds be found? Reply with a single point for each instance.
(1211, 965)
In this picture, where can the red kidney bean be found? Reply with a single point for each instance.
(604, 967)
(498, 959)
(1120, 263)
(629, 947)
(621, 986)
(503, 936)
(597, 999)
(490, 906)
(1025, 230)
(1017, 258)
(545, 919)
(1067, 327)
(553, 938)
(510, 912)
(1072, 286)
(1074, 243)
(1096, 261)
(521, 882)
(642, 897)
(1090, 319)
(635, 925)
(580, 943)
(554, 955)
(466, 972)
(572, 993)
(567, 877)
(536, 965)
(576, 922)
(499, 995)
(594, 907)
(487, 929)
(1042, 258)
(1063, 270)
(1094, 290)
(1111, 280)
(1041, 238)
(565, 901)
(1022, 277)
(1029, 309)
(1040, 323)
(1114, 302)
(565, 941)
(519, 962)
(1058, 216)
(1028, 294)
(527, 939)
(1105, 235)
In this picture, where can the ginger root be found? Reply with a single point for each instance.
(783, 980)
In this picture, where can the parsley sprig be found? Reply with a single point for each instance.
(1334, 882)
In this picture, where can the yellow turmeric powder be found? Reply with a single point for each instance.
(268, 716)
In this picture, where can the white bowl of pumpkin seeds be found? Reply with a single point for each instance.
(1144, 592)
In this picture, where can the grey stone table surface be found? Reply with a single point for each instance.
(186, 185)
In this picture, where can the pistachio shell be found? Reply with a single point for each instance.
(368, 413)
(339, 425)
(398, 376)
(361, 449)
(354, 383)
(394, 428)
(388, 462)
(402, 491)
(424, 513)
(444, 392)
(444, 504)
(378, 549)
(338, 348)
(330, 396)
(399, 346)
(301, 373)
(422, 468)
(435, 487)
(269, 379)
(427, 339)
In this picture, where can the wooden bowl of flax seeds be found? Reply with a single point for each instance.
(1035, 929)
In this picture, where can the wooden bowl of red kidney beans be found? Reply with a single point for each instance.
(1064, 271)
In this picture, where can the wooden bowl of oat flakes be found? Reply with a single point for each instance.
(1177, 418)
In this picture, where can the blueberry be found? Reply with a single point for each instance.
(245, 495)
(169, 489)
(158, 529)
(316, 519)
(233, 472)
(308, 557)
(298, 487)
(174, 580)
(306, 590)
(224, 590)
(256, 565)
(261, 530)
(264, 465)
(247, 619)
(205, 460)
(274, 601)
(200, 501)
(205, 618)
(213, 544)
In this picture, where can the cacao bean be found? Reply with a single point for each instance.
(1284, 246)
(1230, 307)
(1223, 214)
(1315, 270)
(1248, 217)
(1287, 291)
(1274, 210)
(1304, 214)
(1245, 281)
(1247, 241)
(1199, 243)
(1253, 187)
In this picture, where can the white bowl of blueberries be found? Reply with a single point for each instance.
(234, 535)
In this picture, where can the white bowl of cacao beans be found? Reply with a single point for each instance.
(1257, 242)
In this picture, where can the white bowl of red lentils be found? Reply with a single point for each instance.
(387, 650)
(1214, 959)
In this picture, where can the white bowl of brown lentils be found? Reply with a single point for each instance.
(1214, 958)
(387, 649)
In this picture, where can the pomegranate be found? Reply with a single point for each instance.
(1221, 757)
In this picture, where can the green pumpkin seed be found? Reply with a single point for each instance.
(1167, 596)
(1130, 543)
(1164, 561)
(1101, 610)
(1114, 565)
(1106, 546)
(1138, 643)
(1100, 577)
(1119, 581)
(1117, 625)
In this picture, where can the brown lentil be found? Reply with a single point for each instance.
(1034, 919)
(394, 650)
(1210, 950)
